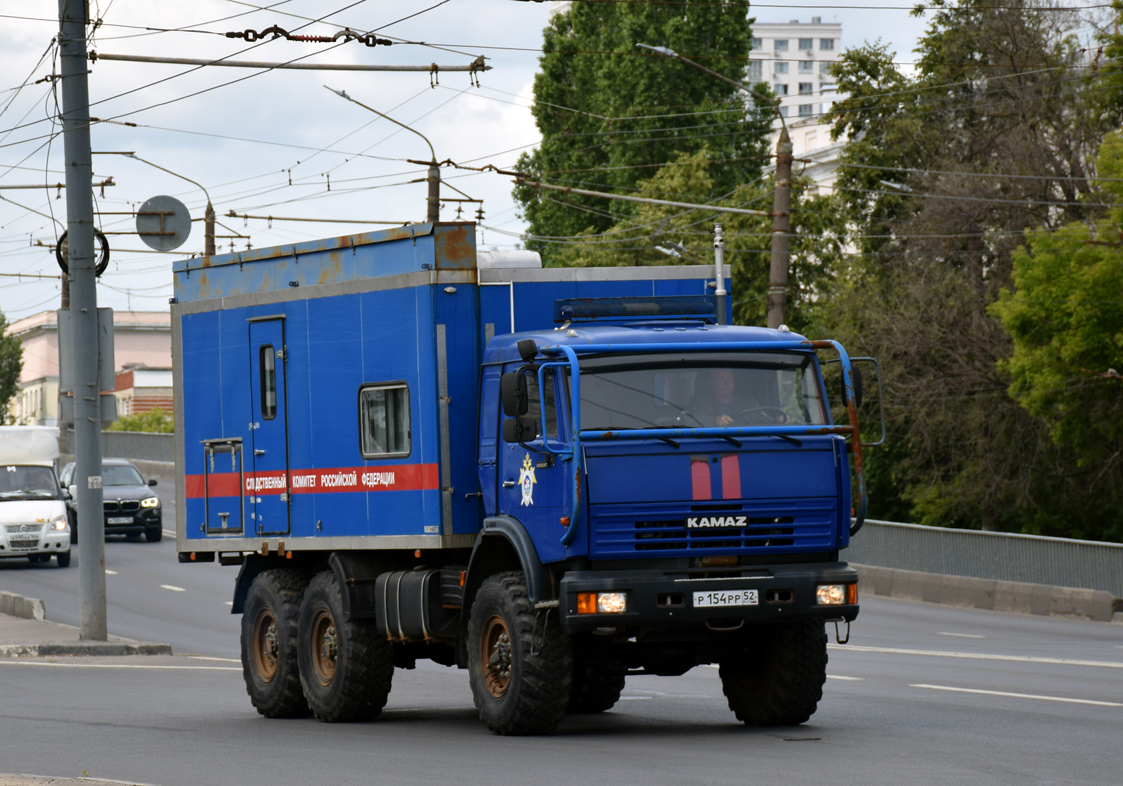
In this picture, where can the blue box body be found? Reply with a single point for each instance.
(404, 306)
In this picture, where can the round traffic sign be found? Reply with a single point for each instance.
(163, 223)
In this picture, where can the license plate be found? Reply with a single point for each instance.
(747, 597)
(24, 542)
(119, 520)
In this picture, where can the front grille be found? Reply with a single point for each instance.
(122, 505)
(19, 545)
(806, 525)
(112, 506)
(12, 528)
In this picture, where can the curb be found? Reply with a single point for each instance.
(990, 594)
(18, 606)
(93, 649)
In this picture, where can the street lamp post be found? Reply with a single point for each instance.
(782, 197)
(434, 178)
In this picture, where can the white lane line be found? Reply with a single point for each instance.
(154, 667)
(962, 635)
(169, 532)
(109, 572)
(636, 698)
(1018, 695)
(173, 589)
(230, 603)
(845, 679)
(978, 656)
(209, 657)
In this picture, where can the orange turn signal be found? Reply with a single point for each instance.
(851, 594)
(586, 603)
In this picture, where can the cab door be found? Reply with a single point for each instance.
(268, 484)
(531, 482)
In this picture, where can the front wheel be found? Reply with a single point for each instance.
(154, 534)
(63, 558)
(519, 661)
(269, 620)
(595, 689)
(346, 666)
(776, 678)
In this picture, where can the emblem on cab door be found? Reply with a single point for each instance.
(527, 481)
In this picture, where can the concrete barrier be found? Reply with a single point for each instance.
(18, 606)
(989, 594)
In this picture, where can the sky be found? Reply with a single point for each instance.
(275, 145)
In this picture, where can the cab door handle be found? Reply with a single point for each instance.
(509, 484)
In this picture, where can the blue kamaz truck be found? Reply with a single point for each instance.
(553, 478)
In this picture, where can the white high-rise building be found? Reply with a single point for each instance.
(795, 59)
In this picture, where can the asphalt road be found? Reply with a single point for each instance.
(922, 694)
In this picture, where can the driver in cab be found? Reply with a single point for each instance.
(723, 405)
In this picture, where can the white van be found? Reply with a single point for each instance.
(33, 522)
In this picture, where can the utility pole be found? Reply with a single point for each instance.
(781, 223)
(73, 19)
(782, 201)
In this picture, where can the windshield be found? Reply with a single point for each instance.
(27, 482)
(121, 476)
(700, 390)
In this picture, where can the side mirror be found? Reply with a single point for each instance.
(523, 428)
(152, 481)
(512, 392)
(528, 350)
(857, 372)
(72, 490)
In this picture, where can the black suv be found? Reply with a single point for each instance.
(131, 508)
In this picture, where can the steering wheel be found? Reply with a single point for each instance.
(779, 416)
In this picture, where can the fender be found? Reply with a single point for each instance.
(504, 544)
(355, 577)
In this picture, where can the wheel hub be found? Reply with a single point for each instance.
(325, 647)
(496, 656)
(267, 645)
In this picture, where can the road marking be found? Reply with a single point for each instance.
(109, 572)
(845, 679)
(169, 532)
(173, 589)
(979, 656)
(230, 603)
(636, 698)
(1018, 695)
(155, 667)
(209, 657)
(963, 635)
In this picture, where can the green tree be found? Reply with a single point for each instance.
(611, 114)
(11, 364)
(996, 132)
(154, 421)
(1065, 314)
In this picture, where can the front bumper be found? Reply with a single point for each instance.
(136, 523)
(46, 542)
(666, 599)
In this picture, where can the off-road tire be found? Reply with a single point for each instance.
(594, 689)
(63, 559)
(520, 663)
(346, 667)
(776, 678)
(154, 534)
(269, 627)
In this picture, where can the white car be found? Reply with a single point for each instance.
(33, 522)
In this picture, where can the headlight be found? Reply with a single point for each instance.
(602, 602)
(836, 594)
(151, 502)
(60, 524)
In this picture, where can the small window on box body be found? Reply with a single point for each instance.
(268, 382)
(384, 425)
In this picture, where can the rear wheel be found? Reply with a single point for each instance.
(346, 666)
(269, 627)
(776, 679)
(595, 689)
(63, 558)
(519, 663)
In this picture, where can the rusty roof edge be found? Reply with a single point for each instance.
(406, 232)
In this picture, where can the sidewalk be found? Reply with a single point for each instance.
(23, 637)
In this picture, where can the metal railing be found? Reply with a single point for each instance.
(1056, 562)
